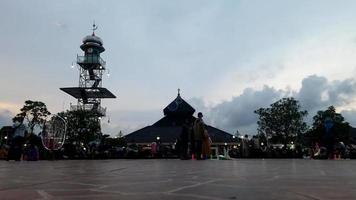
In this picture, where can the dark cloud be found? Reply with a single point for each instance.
(342, 92)
(239, 112)
(316, 93)
(310, 94)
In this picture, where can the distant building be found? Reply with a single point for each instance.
(167, 130)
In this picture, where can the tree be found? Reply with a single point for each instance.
(340, 129)
(121, 141)
(32, 113)
(83, 126)
(282, 121)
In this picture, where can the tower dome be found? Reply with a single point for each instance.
(92, 38)
(92, 42)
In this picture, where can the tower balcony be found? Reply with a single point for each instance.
(91, 61)
(100, 111)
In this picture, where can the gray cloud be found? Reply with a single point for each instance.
(342, 92)
(310, 94)
(316, 93)
(238, 113)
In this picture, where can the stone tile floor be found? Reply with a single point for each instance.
(178, 179)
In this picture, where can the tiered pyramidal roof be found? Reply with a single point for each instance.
(169, 127)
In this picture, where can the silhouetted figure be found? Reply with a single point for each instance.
(199, 129)
(153, 149)
(192, 142)
(329, 137)
(206, 145)
(245, 147)
(15, 151)
(32, 153)
(184, 140)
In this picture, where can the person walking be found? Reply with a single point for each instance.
(199, 129)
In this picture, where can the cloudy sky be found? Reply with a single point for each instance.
(228, 57)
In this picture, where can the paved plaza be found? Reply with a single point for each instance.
(177, 179)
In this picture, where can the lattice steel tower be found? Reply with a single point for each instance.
(91, 69)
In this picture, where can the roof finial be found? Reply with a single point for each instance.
(178, 92)
(94, 27)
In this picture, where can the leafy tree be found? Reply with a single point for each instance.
(340, 128)
(32, 113)
(82, 126)
(121, 141)
(282, 121)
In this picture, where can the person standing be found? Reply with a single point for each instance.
(17, 142)
(184, 139)
(199, 129)
(153, 149)
(245, 147)
(206, 145)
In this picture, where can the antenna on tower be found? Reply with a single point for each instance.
(94, 27)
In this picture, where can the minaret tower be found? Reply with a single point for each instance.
(91, 69)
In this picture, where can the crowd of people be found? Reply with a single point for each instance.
(194, 141)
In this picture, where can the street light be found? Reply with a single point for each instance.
(158, 138)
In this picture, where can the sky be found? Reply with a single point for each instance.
(228, 57)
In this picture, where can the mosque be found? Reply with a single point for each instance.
(168, 128)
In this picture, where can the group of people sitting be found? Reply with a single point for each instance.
(19, 150)
(194, 141)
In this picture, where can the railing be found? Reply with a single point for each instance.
(90, 59)
(89, 107)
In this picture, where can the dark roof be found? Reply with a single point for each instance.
(149, 134)
(171, 121)
(218, 136)
(170, 126)
(169, 134)
(80, 92)
(179, 107)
